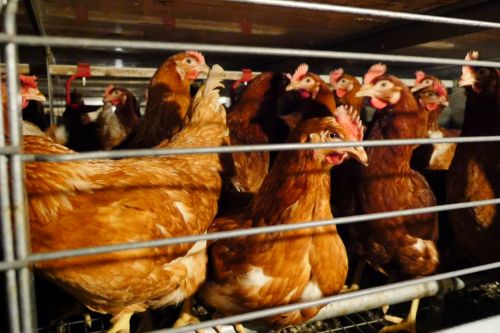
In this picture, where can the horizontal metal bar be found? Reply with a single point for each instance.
(9, 150)
(393, 296)
(77, 42)
(378, 299)
(371, 12)
(249, 148)
(237, 233)
(324, 301)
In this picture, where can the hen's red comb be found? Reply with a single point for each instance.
(335, 75)
(419, 76)
(349, 118)
(108, 89)
(300, 72)
(471, 55)
(439, 88)
(374, 72)
(197, 55)
(28, 81)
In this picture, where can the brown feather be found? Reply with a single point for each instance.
(256, 272)
(474, 173)
(101, 202)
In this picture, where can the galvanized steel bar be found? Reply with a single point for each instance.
(393, 296)
(26, 287)
(50, 89)
(37, 257)
(327, 300)
(74, 42)
(371, 12)
(7, 150)
(248, 148)
(7, 234)
(378, 299)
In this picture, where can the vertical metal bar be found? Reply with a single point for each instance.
(26, 287)
(7, 234)
(50, 88)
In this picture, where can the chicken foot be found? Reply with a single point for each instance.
(238, 328)
(186, 316)
(360, 267)
(408, 324)
(121, 322)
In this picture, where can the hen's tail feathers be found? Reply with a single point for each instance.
(207, 98)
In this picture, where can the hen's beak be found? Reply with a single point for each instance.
(467, 79)
(203, 68)
(357, 153)
(443, 101)
(366, 90)
(33, 95)
(292, 86)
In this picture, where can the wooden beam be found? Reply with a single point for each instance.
(147, 72)
(21, 68)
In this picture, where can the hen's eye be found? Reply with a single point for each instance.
(333, 135)
(308, 80)
(483, 72)
(189, 60)
(343, 81)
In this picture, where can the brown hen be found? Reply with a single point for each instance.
(169, 99)
(100, 202)
(256, 272)
(253, 120)
(404, 246)
(345, 87)
(119, 117)
(433, 98)
(475, 169)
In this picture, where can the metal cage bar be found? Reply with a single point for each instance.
(327, 300)
(254, 50)
(25, 276)
(247, 148)
(238, 233)
(7, 234)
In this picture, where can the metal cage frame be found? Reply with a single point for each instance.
(16, 247)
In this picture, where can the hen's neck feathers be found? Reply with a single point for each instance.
(349, 98)
(296, 178)
(325, 96)
(127, 112)
(482, 111)
(402, 120)
(168, 103)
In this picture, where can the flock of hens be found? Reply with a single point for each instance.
(86, 203)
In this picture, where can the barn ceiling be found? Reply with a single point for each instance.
(221, 22)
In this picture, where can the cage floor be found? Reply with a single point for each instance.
(472, 303)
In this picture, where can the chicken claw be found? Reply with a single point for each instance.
(121, 322)
(87, 319)
(408, 324)
(360, 267)
(186, 316)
